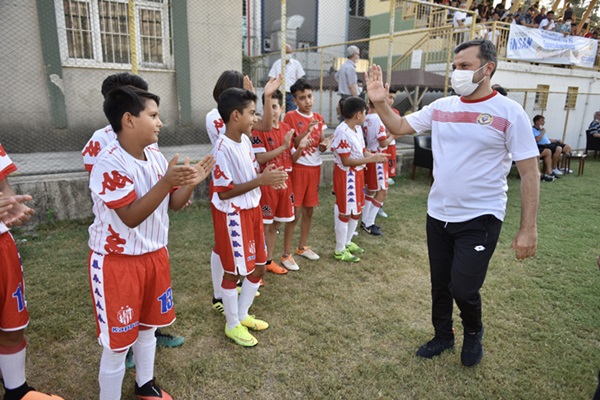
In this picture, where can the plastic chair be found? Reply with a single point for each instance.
(592, 143)
(423, 155)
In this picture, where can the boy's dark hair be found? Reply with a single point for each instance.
(123, 79)
(300, 86)
(352, 105)
(277, 96)
(537, 118)
(228, 79)
(234, 99)
(125, 99)
(487, 51)
(550, 12)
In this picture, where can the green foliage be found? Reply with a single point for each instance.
(341, 331)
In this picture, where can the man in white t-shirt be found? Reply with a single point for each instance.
(548, 24)
(475, 137)
(293, 72)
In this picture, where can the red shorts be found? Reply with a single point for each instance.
(376, 176)
(305, 181)
(240, 240)
(13, 307)
(391, 150)
(349, 190)
(277, 205)
(129, 291)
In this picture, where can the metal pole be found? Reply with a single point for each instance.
(283, 43)
(564, 135)
(321, 82)
(132, 36)
(391, 41)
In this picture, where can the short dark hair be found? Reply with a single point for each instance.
(550, 12)
(487, 51)
(125, 99)
(352, 105)
(234, 99)
(123, 79)
(277, 96)
(537, 118)
(228, 79)
(300, 86)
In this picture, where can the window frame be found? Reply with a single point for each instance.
(96, 36)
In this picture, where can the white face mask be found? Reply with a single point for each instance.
(462, 81)
(358, 90)
(288, 57)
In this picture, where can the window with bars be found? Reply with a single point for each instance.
(357, 8)
(571, 100)
(94, 32)
(541, 97)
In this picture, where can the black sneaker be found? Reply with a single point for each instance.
(472, 350)
(435, 347)
(548, 178)
(372, 230)
(151, 390)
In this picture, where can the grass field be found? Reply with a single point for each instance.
(342, 331)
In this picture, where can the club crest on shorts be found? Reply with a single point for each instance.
(484, 119)
(125, 315)
(252, 247)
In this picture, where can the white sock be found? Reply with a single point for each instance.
(246, 297)
(341, 231)
(112, 371)
(216, 270)
(366, 209)
(144, 350)
(13, 368)
(230, 304)
(369, 218)
(352, 224)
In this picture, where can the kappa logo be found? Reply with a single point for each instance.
(218, 173)
(116, 181)
(236, 244)
(218, 124)
(125, 315)
(95, 264)
(479, 248)
(101, 319)
(234, 234)
(99, 306)
(92, 149)
(255, 140)
(343, 145)
(96, 279)
(97, 292)
(113, 241)
(484, 119)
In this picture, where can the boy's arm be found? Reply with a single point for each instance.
(265, 157)
(271, 176)
(354, 162)
(180, 197)
(302, 135)
(304, 143)
(137, 211)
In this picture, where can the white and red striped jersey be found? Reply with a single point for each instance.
(6, 168)
(311, 156)
(234, 164)
(117, 180)
(263, 142)
(99, 140)
(347, 143)
(215, 126)
(374, 133)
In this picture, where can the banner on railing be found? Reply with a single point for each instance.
(540, 46)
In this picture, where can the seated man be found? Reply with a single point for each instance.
(594, 127)
(555, 146)
(546, 157)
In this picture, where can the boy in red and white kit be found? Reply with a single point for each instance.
(274, 148)
(376, 174)
(350, 157)
(14, 316)
(132, 187)
(237, 218)
(306, 172)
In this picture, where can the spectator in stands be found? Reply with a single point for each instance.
(459, 21)
(541, 16)
(293, 72)
(500, 9)
(527, 19)
(595, 125)
(548, 24)
(556, 146)
(568, 13)
(565, 28)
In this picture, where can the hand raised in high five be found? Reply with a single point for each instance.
(376, 90)
(248, 84)
(273, 85)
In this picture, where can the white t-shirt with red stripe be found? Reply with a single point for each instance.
(215, 126)
(118, 179)
(472, 143)
(6, 168)
(311, 156)
(234, 164)
(347, 143)
(99, 140)
(374, 133)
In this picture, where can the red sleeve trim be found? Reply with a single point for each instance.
(173, 189)
(88, 167)
(7, 171)
(344, 155)
(130, 198)
(221, 189)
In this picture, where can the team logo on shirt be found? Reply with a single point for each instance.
(114, 241)
(125, 315)
(343, 145)
(116, 181)
(218, 124)
(92, 149)
(218, 173)
(484, 119)
(255, 140)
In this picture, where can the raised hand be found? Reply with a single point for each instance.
(287, 139)
(376, 90)
(248, 84)
(273, 176)
(272, 85)
(180, 175)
